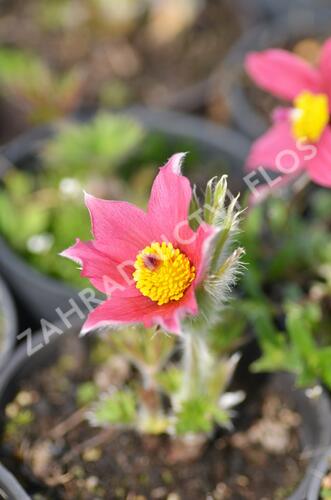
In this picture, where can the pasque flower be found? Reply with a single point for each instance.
(149, 264)
(300, 137)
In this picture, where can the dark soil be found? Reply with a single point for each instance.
(260, 459)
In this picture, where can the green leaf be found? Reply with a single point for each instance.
(33, 220)
(321, 204)
(19, 184)
(86, 393)
(20, 69)
(299, 329)
(117, 408)
(199, 415)
(229, 331)
(170, 379)
(323, 360)
(31, 84)
(276, 356)
(194, 417)
(100, 144)
(221, 417)
(8, 217)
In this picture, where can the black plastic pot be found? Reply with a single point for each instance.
(315, 430)
(322, 467)
(8, 318)
(22, 365)
(316, 436)
(295, 24)
(40, 294)
(254, 11)
(10, 487)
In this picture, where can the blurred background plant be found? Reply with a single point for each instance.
(38, 93)
(70, 55)
(286, 291)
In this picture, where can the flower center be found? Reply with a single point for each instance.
(310, 116)
(163, 272)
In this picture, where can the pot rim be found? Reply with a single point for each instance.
(11, 486)
(321, 468)
(10, 322)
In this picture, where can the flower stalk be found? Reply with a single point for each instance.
(197, 362)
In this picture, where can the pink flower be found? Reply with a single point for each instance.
(300, 138)
(149, 264)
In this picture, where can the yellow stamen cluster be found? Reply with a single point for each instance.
(163, 272)
(310, 116)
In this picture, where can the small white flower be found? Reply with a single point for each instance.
(230, 399)
(70, 188)
(314, 392)
(40, 243)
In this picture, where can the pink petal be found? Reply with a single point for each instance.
(122, 309)
(282, 73)
(169, 207)
(169, 316)
(278, 151)
(170, 199)
(325, 67)
(280, 114)
(199, 251)
(100, 268)
(319, 168)
(118, 310)
(117, 219)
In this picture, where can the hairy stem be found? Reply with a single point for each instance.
(197, 363)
